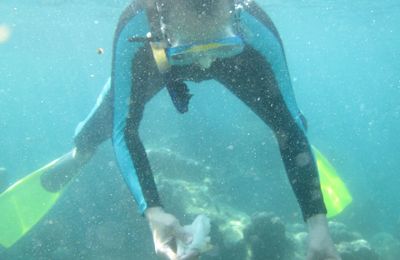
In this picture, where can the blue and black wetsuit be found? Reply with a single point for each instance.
(258, 76)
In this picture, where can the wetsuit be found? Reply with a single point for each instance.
(258, 76)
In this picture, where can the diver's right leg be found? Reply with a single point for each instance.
(62, 171)
(89, 134)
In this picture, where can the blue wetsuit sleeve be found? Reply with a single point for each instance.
(128, 148)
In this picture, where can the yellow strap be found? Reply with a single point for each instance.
(160, 56)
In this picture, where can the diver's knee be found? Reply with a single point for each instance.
(65, 168)
(81, 156)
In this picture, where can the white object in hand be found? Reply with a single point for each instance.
(199, 231)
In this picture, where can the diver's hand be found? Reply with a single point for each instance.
(320, 246)
(191, 255)
(166, 231)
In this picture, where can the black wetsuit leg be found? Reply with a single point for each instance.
(250, 77)
(89, 134)
(97, 127)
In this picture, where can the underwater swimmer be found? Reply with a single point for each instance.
(232, 42)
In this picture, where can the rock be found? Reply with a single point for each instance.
(187, 190)
(300, 241)
(186, 185)
(168, 163)
(191, 199)
(357, 250)
(387, 246)
(266, 238)
(106, 236)
(340, 233)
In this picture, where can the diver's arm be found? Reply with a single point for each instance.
(320, 244)
(127, 113)
(128, 106)
(309, 195)
(165, 229)
(306, 187)
(128, 147)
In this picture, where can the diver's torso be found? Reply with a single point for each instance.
(188, 21)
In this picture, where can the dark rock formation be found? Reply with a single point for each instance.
(357, 250)
(266, 238)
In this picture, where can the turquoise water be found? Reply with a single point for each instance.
(344, 59)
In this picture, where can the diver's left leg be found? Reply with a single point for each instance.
(252, 79)
(89, 134)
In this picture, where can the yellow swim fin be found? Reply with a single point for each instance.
(24, 204)
(336, 195)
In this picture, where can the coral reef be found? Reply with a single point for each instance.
(266, 238)
(104, 225)
(237, 236)
(386, 245)
(357, 250)
(341, 233)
